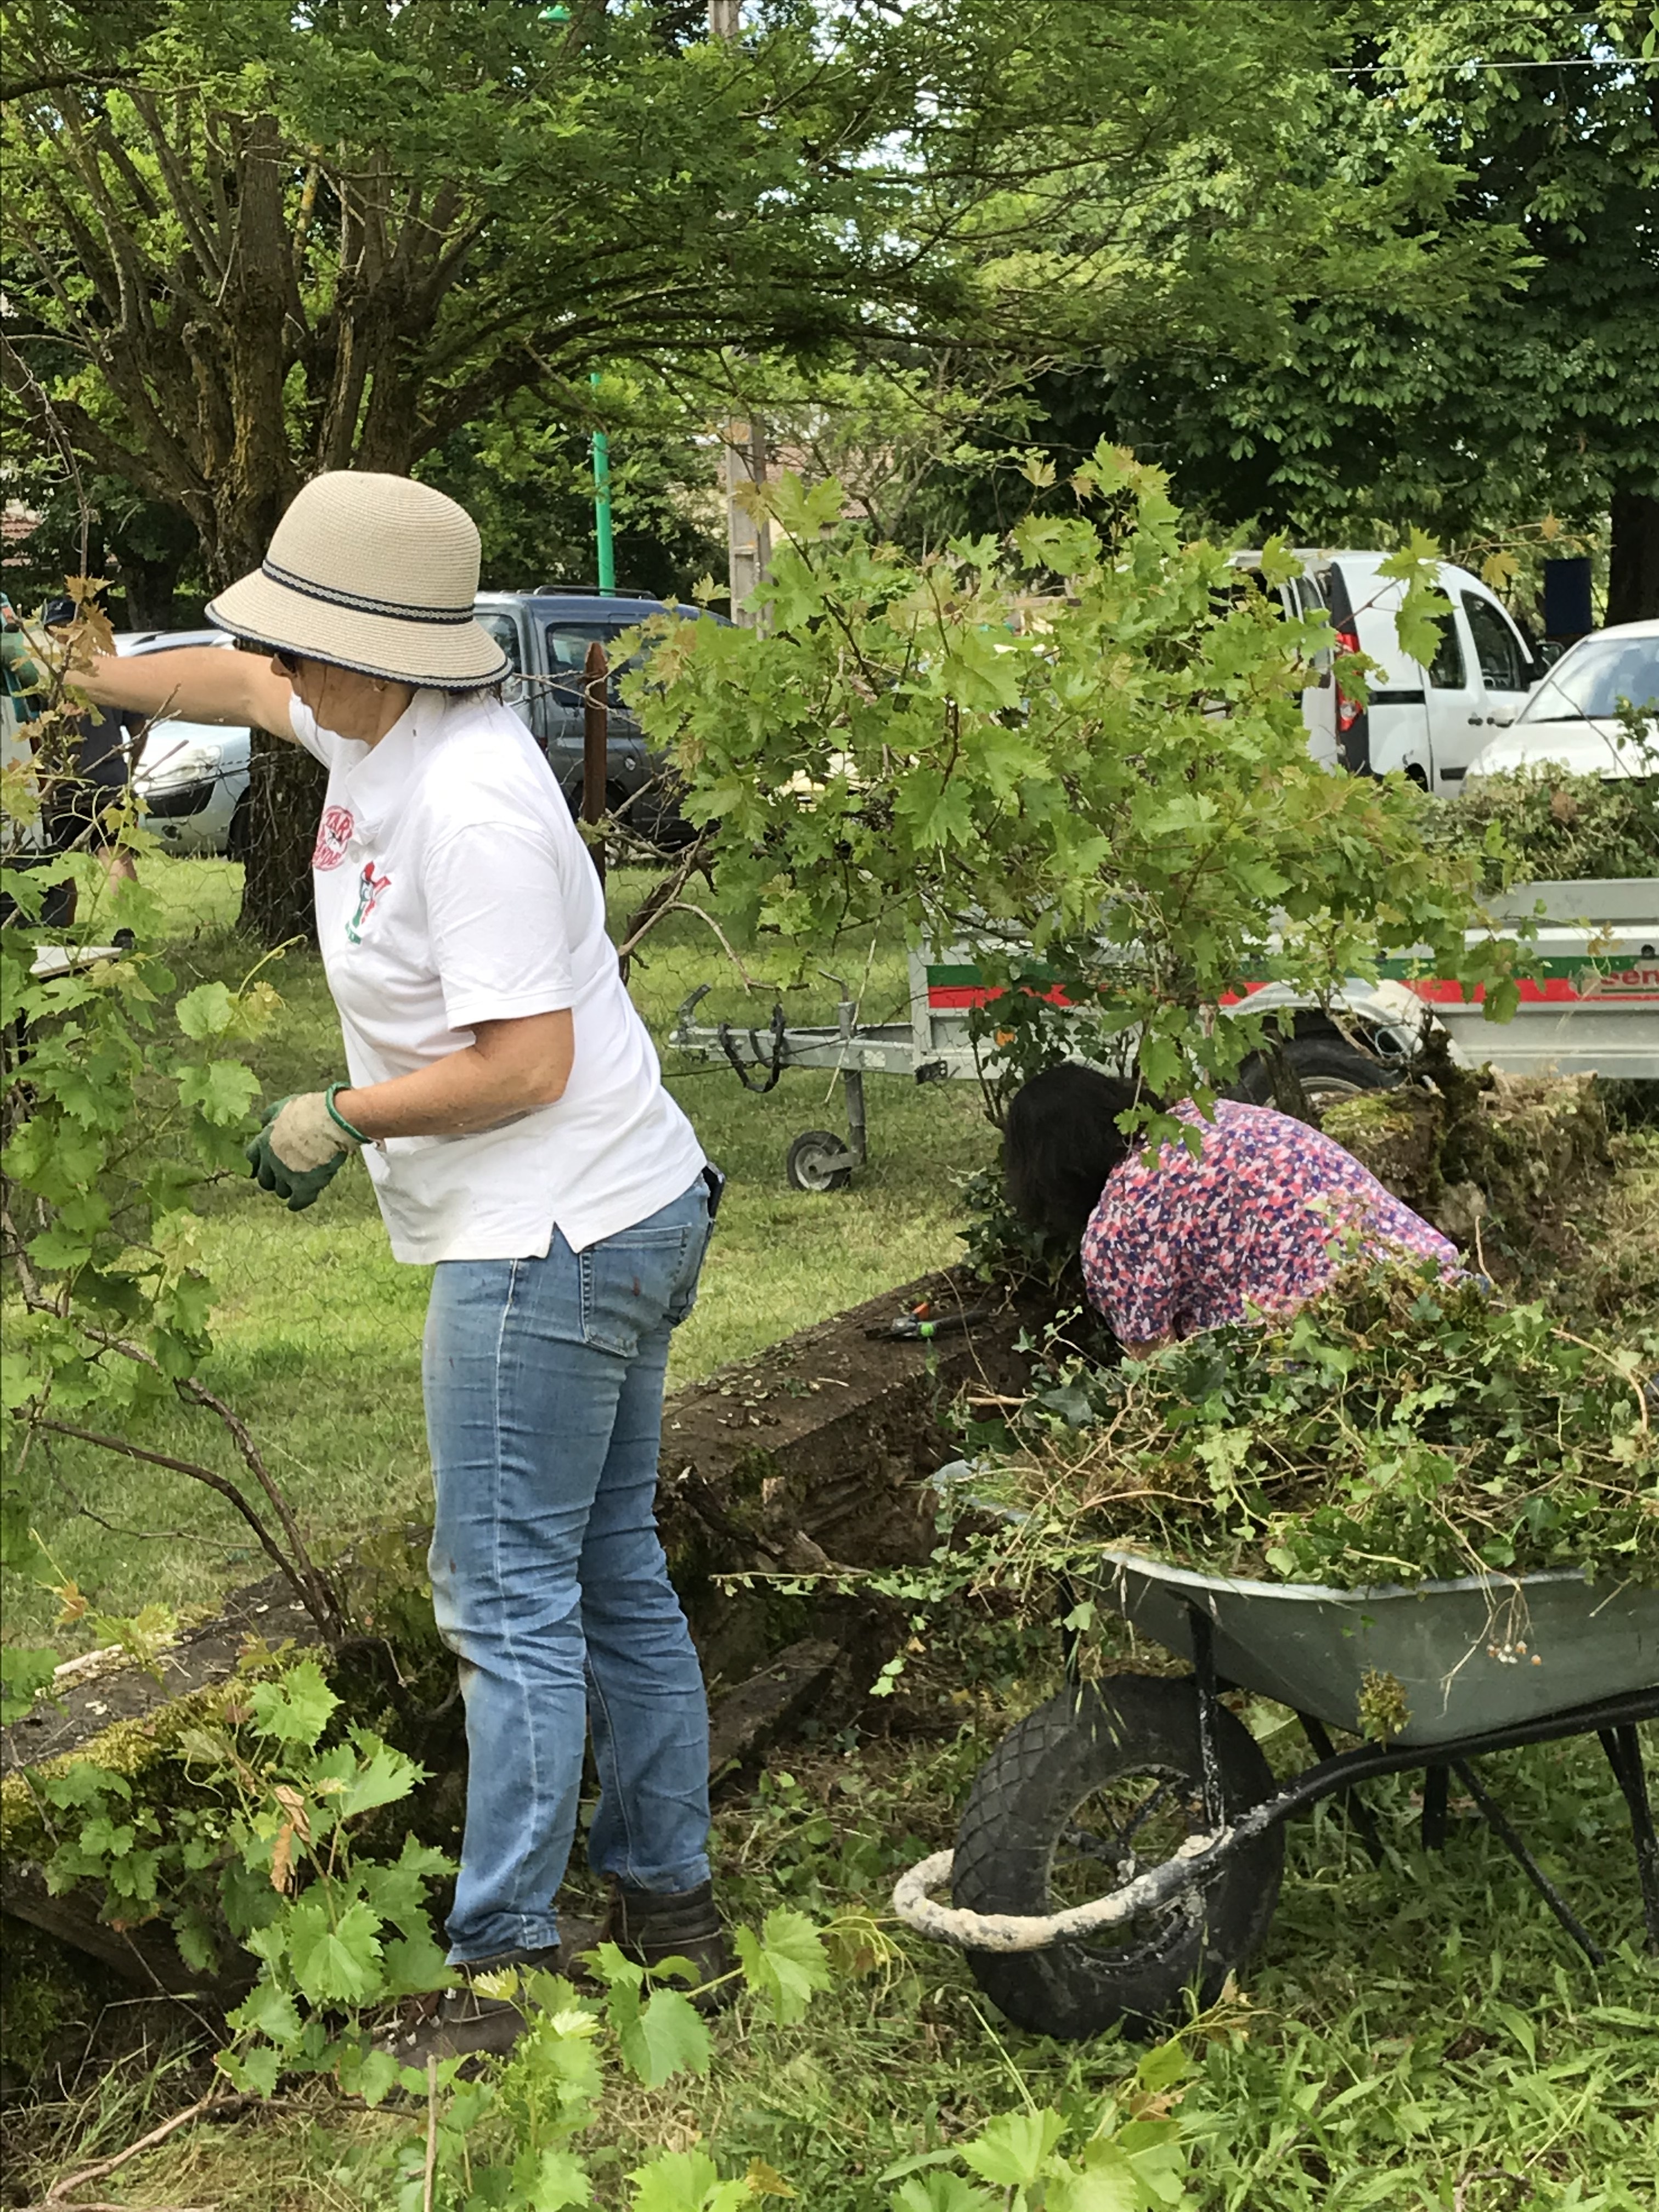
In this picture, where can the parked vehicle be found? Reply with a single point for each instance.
(1590, 1006)
(191, 776)
(1430, 722)
(1572, 719)
(546, 633)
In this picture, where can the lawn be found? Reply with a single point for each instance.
(1417, 2037)
(1420, 2037)
(318, 1329)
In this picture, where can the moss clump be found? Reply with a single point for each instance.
(1496, 1162)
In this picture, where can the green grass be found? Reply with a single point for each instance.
(318, 1329)
(1418, 2038)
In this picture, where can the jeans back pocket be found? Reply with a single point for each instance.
(628, 1283)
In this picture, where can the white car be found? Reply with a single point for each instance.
(192, 775)
(1571, 720)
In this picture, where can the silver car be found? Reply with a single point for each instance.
(192, 775)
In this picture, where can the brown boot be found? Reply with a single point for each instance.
(649, 1926)
(466, 2022)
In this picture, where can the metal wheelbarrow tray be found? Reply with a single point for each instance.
(1151, 1782)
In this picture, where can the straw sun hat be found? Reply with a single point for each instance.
(373, 573)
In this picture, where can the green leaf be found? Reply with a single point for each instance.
(552, 2180)
(1014, 2149)
(25, 1671)
(398, 1892)
(296, 1708)
(221, 1092)
(254, 2072)
(206, 1011)
(415, 1964)
(1108, 2183)
(382, 1776)
(268, 2011)
(1162, 2067)
(784, 1964)
(337, 1963)
(668, 2037)
(370, 2074)
(942, 2192)
(686, 2181)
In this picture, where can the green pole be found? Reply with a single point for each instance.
(606, 544)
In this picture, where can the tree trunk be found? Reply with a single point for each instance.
(274, 829)
(151, 589)
(1633, 570)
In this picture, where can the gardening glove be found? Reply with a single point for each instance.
(300, 1146)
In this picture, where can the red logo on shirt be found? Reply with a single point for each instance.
(334, 836)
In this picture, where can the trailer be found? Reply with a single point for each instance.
(1588, 1006)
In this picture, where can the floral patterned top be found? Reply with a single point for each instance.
(1188, 1244)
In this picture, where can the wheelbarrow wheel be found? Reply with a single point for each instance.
(1097, 1786)
(817, 1161)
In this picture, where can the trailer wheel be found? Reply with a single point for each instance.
(818, 1161)
(1095, 1786)
(1329, 1068)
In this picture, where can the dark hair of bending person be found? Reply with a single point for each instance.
(1060, 1143)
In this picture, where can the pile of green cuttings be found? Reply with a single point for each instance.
(1398, 1427)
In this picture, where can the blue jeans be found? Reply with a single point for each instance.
(544, 1386)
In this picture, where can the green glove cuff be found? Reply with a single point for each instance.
(338, 1118)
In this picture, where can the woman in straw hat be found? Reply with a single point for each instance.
(507, 1101)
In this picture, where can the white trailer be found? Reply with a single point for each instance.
(1589, 1007)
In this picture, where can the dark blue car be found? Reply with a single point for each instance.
(546, 634)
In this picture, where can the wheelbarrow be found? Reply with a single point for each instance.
(1125, 1842)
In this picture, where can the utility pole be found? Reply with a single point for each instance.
(748, 536)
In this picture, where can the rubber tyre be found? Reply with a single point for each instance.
(1022, 1803)
(1331, 1069)
(806, 1167)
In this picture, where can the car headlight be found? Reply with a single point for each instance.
(179, 764)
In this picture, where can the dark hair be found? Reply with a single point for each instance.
(1061, 1142)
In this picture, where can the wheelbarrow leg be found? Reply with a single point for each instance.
(1204, 1678)
(1624, 1750)
(1359, 1811)
(1508, 1835)
(1434, 1807)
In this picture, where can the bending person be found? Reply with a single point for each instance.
(510, 1109)
(1256, 1225)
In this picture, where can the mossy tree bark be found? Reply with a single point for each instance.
(274, 829)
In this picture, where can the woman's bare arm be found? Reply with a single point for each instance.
(196, 683)
(510, 1068)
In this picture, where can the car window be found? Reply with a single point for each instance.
(1589, 682)
(505, 631)
(1497, 648)
(1446, 669)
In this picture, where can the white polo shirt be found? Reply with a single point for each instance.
(452, 888)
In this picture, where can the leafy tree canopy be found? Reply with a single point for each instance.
(251, 242)
(1080, 748)
(1472, 415)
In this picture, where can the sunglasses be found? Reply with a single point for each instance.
(289, 663)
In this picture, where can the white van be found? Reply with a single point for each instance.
(1430, 722)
